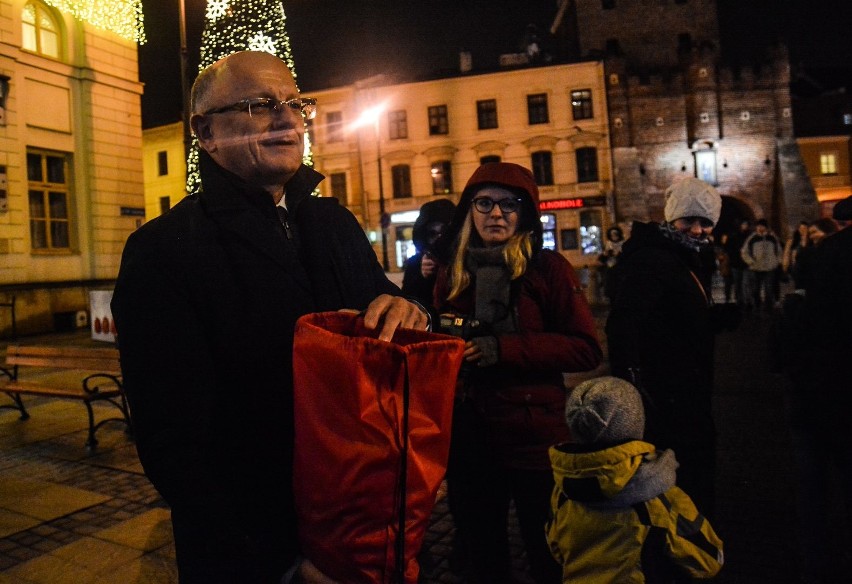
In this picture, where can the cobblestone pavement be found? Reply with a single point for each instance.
(70, 516)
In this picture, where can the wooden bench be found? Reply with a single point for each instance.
(87, 374)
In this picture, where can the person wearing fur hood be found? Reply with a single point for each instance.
(617, 515)
(526, 322)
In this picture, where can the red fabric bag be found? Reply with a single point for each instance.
(372, 423)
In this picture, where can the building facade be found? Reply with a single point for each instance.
(676, 110)
(827, 159)
(71, 187)
(421, 141)
(164, 168)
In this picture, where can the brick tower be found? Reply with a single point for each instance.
(675, 110)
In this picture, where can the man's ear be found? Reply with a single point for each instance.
(203, 131)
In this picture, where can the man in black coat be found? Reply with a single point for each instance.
(205, 305)
(661, 335)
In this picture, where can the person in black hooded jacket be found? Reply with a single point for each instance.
(418, 279)
(661, 334)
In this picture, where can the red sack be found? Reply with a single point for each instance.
(358, 474)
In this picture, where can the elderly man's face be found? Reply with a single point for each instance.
(266, 147)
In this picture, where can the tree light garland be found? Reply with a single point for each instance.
(123, 17)
(242, 25)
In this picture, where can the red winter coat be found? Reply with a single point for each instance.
(522, 397)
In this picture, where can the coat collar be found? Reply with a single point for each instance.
(249, 212)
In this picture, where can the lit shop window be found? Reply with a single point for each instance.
(548, 229)
(590, 233)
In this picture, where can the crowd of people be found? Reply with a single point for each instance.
(611, 481)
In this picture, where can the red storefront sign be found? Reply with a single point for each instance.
(575, 203)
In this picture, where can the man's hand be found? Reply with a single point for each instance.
(394, 312)
(309, 574)
(428, 265)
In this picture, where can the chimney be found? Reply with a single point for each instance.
(465, 61)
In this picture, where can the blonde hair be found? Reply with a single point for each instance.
(516, 253)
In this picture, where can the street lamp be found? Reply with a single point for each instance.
(372, 116)
(184, 82)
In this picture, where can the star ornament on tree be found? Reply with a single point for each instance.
(261, 42)
(216, 9)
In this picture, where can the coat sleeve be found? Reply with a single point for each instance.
(691, 542)
(569, 341)
(644, 283)
(167, 370)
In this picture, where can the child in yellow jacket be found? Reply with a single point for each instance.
(617, 516)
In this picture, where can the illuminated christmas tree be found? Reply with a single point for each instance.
(242, 25)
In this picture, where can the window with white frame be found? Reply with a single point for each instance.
(397, 125)
(537, 109)
(40, 32)
(486, 114)
(581, 104)
(439, 121)
(49, 204)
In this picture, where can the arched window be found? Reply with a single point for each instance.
(40, 30)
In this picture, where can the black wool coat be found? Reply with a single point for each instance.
(205, 306)
(660, 324)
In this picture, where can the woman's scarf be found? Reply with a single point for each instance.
(669, 231)
(493, 288)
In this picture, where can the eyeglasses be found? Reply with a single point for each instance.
(264, 106)
(485, 204)
(703, 221)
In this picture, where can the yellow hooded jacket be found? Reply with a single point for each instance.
(599, 535)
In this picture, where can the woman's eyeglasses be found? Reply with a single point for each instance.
(485, 205)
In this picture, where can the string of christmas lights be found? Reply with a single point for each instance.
(242, 25)
(123, 17)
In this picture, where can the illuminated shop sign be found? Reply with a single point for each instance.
(576, 203)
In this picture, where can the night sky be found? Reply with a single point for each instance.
(336, 42)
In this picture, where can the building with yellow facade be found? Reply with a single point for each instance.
(164, 168)
(388, 148)
(71, 187)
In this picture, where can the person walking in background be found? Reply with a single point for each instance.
(792, 246)
(735, 285)
(609, 258)
(762, 254)
(616, 514)
(205, 305)
(803, 266)
(661, 330)
(525, 318)
(419, 275)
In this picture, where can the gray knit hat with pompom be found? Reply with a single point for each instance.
(605, 410)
